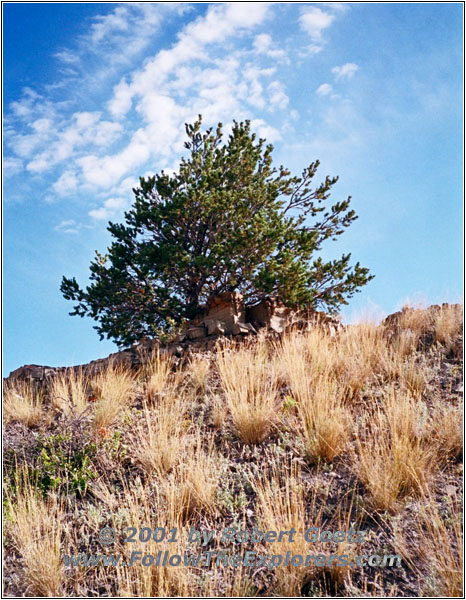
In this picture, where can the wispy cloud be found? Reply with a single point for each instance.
(68, 226)
(110, 208)
(223, 64)
(324, 90)
(314, 21)
(346, 71)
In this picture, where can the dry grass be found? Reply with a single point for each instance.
(415, 319)
(448, 326)
(392, 456)
(361, 396)
(157, 373)
(250, 389)
(193, 487)
(35, 526)
(445, 431)
(198, 370)
(282, 506)
(23, 402)
(324, 421)
(138, 581)
(70, 392)
(113, 389)
(160, 438)
(438, 560)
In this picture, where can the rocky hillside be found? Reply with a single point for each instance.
(256, 421)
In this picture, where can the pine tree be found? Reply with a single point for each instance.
(226, 221)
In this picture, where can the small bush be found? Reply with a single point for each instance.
(64, 463)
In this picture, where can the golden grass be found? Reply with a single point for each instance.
(35, 526)
(355, 393)
(198, 370)
(250, 388)
(137, 580)
(358, 357)
(392, 456)
(281, 507)
(23, 402)
(113, 388)
(160, 438)
(324, 421)
(194, 485)
(157, 372)
(448, 325)
(445, 431)
(69, 392)
(438, 559)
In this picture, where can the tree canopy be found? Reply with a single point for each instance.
(228, 220)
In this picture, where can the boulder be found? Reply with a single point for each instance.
(223, 313)
(269, 313)
(194, 333)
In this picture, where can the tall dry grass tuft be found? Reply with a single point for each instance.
(409, 373)
(193, 487)
(198, 370)
(324, 421)
(157, 371)
(113, 388)
(440, 554)
(69, 392)
(35, 526)
(416, 319)
(445, 431)
(448, 326)
(250, 387)
(160, 437)
(281, 506)
(23, 402)
(393, 456)
(359, 356)
(152, 510)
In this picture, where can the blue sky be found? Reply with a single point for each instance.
(96, 95)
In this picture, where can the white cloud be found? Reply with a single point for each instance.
(65, 184)
(12, 166)
(111, 207)
(265, 131)
(277, 96)
(68, 226)
(219, 23)
(314, 21)
(209, 70)
(263, 45)
(346, 71)
(324, 90)
(67, 57)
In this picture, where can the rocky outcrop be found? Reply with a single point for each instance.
(224, 318)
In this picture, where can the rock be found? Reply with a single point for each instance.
(451, 490)
(194, 333)
(223, 312)
(268, 313)
(243, 328)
